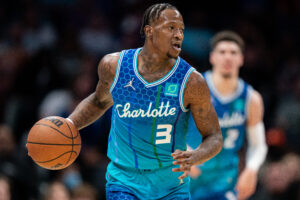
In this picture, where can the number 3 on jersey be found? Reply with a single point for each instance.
(164, 130)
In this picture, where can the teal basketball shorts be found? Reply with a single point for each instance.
(145, 184)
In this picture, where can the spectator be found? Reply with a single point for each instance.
(16, 166)
(56, 191)
(288, 115)
(279, 177)
(5, 192)
(97, 31)
(84, 191)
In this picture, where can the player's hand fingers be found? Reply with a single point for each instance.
(182, 161)
(176, 170)
(182, 168)
(180, 155)
(176, 153)
(27, 150)
(184, 175)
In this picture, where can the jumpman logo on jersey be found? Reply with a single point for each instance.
(129, 84)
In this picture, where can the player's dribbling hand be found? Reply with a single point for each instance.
(185, 160)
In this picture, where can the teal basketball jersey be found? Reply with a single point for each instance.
(220, 173)
(149, 120)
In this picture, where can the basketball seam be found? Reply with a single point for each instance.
(72, 142)
(56, 157)
(50, 143)
(54, 129)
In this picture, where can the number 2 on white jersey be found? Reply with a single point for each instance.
(166, 133)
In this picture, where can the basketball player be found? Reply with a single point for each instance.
(152, 90)
(240, 111)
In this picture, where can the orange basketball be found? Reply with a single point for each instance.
(53, 143)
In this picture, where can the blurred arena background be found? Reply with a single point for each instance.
(49, 51)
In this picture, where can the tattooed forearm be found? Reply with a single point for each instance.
(212, 139)
(210, 146)
(88, 111)
(95, 101)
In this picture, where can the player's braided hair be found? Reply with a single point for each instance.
(153, 13)
(227, 35)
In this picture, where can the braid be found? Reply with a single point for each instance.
(153, 13)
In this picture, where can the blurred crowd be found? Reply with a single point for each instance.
(49, 51)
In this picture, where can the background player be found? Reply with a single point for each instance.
(152, 90)
(240, 111)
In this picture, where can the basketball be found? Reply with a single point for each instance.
(53, 143)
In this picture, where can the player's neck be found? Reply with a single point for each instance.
(225, 86)
(150, 61)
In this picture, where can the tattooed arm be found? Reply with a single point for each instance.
(197, 98)
(95, 105)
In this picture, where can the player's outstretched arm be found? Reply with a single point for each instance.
(95, 105)
(197, 98)
(256, 150)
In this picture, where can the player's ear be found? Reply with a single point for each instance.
(148, 30)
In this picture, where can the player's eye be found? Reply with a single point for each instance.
(171, 28)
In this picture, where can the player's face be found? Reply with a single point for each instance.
(226, 59)
(167, 34)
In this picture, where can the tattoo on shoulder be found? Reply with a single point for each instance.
(196, 88)
(106, 71)
(107, 66)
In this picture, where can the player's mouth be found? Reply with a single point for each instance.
(176, 46)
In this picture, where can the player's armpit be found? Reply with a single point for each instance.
(197, 98)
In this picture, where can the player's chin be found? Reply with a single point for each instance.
(227, 75)
(173, 54)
